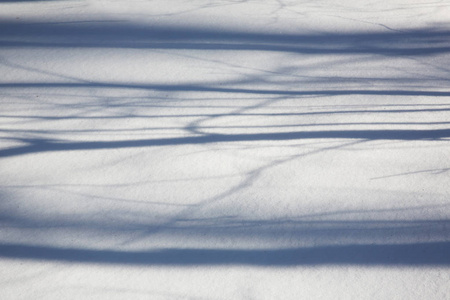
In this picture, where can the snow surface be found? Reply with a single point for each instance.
(224, 149)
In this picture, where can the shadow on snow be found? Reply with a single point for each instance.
(403, 254)
(44, 145)
(119, 34)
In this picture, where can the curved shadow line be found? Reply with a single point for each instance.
(200, 88)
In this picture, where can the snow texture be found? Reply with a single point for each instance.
(224, 149)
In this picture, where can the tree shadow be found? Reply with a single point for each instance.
(419, 254)
(376, 249)
(343, 237)
(94, 34)
(43, 145)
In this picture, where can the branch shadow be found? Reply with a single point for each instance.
(94, 34)
(337, 240)
(427, 42)
(43, 145)
(420, 254)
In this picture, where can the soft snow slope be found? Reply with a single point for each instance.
(224, 149)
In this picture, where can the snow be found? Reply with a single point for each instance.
(224, 149)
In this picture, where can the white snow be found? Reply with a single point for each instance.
(224, 149)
